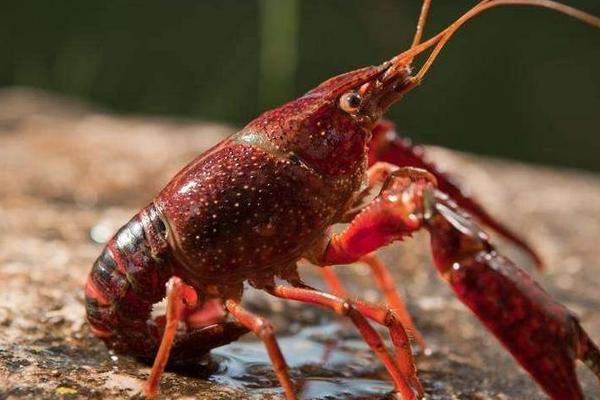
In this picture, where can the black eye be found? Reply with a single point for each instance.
(350, 102)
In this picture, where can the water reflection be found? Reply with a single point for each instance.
(327, 362)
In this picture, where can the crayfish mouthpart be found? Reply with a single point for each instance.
(395, 70)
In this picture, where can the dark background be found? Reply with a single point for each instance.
(516, 82)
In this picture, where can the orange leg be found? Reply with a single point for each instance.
(385, 316)
(333, 282)
(264, 331)
(385, 282)
(179, 296)
(371, 337)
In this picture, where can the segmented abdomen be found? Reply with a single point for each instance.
(129, 277)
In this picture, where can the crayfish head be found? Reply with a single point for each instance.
(329, 127)
(317, 130)
(377, 95)
(366, 94)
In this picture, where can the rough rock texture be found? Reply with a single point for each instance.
(70, 175)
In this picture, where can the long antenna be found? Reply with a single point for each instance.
(440, 40)
(421, 23)
(487, 4)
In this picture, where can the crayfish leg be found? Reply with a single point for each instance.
(205, 329)
(385, 282)
(387, 146)
(265, 331)
(389, 318)
(403, 375)
(177, 295)
(335, 284)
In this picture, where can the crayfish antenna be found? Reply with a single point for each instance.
(421, 23)
(405, 59)
(487, 4)
(440, 40)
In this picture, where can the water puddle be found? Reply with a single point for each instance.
(327, 362)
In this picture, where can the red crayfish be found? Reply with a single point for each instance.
(251, 207)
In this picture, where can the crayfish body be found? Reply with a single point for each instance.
(252, 206)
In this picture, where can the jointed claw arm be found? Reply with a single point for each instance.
(389, 147)
(543, 335)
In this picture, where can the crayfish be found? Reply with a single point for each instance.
(251, 207)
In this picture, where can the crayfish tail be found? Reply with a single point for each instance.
(128, 277)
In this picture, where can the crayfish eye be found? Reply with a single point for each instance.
(350, 102)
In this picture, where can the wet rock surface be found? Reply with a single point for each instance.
(71, 175)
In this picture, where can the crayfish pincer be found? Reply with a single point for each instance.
(252, 206)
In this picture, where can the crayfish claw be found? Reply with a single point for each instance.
(587, 351)
(543, 335)
(388, 146)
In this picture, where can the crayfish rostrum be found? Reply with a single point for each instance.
(251, 207)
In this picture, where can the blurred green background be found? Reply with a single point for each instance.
(517, 82)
